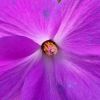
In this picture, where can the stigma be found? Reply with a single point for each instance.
(49, 48)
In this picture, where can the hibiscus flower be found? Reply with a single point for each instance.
(49, 50)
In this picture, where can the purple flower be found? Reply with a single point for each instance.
(49, 50)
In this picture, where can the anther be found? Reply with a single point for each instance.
(49, 47)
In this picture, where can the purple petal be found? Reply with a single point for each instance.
(75, 82)
(16, 47)
(12, 79)
(80, 40)
(40, 83)
(31, 18)
(88, 63)
(32, 83)
(85, 39)
(11, 82)
(81, 20)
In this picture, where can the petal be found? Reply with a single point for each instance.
(32, 83)
(85, 40)
(81, 19)
(7, 65)
(89, 63)
(11, 81)
(33, 18)
(75, 82)
(16, 47)
(40, 84)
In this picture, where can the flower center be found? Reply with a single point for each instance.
(49, 47)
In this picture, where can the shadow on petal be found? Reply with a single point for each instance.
(16, 47)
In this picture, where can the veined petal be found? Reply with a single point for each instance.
(40, 84)
(31, 18)
(32, 83)
(16, 47)
(85, 40)
(10, 64)
(11, 81)
(83, 17)
(89, 63)
(76, 82)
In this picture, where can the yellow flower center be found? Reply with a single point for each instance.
(49, 47)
